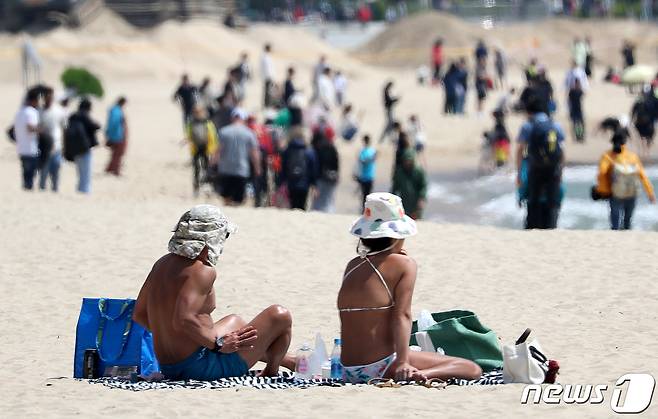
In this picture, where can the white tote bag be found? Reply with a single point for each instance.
(524, 362)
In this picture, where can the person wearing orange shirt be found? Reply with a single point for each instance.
(619, 170)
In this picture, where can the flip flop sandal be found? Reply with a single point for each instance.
(383, 383)
(436, 383)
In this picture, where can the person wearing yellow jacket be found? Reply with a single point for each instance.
(619, 170)
(201, 134)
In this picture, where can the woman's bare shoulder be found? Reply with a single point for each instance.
(401, 259)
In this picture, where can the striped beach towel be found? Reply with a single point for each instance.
(283, 381)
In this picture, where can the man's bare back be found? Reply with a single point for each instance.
(178, 297)
(160, 295)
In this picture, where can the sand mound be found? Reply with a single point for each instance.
(408, 42)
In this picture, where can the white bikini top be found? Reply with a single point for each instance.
(381, 278)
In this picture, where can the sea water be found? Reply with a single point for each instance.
(492, 200)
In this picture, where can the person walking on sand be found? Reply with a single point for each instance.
(340, 88)
(289, 86)
(619, 171)
(410, 183)
(576, 94)
(589, 58)
(374, 303)
(461, 87)
(298, 169)
(579, 52)
(202, 137)
(540, 142)
(53, 120)
(177, 299)
(208, 96)
(326, 95)
(437, 61)
(26, 132)
(576, 73)
(187, 95)
(500, 63)
(116, 134)
(628, 54)
(268, 76)
(367, 168)
(481, 52)
(80, 139)
(643, 116)
(328, 173)
(389, 103)
(481, 85)
(239, 158)
(318, 70)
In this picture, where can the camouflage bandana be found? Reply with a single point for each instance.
(202, 226)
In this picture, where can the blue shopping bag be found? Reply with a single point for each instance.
(122, 346)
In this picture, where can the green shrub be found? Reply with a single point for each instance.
(82, 82)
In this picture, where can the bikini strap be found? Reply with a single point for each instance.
(381, 278)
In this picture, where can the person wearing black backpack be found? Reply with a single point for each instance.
(328, 169)
(79, 139)
(298, 169)
(540, 142)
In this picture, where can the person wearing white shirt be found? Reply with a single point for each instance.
(318, 70)
(53, 120)
(267, 73)
(26, 132)
(576, 72)
(326, 94)
(340, 86)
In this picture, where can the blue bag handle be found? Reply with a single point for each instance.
(126, 309)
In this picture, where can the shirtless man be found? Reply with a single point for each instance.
(178, 296)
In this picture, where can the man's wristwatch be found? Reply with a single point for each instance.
(219, 344)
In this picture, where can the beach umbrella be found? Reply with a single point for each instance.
(638, 74)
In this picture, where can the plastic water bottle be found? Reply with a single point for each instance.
(302, 364)
(336, 366)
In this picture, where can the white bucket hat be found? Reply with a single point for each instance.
(202, 226)
(384, 217)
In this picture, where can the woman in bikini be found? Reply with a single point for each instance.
(374, 302)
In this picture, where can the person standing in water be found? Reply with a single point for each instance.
(374, 303)
(619, 171)
(540, 145)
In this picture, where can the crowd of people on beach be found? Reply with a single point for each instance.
(289, 158)
(286, 154)
(540, 151)
(46, 132)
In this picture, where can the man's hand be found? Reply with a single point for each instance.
(239, 340)
(406, 372)
(652, 199)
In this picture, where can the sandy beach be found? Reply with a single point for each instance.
(587, 295)
(592, 308)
